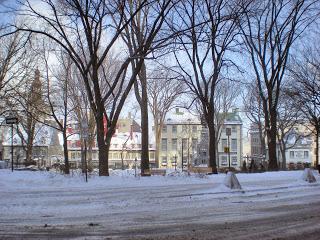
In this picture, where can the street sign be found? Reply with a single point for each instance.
(226, 149)
(11, 120)
(228, 131)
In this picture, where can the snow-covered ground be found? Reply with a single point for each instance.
(176, 206)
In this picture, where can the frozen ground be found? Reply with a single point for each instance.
(276, 205)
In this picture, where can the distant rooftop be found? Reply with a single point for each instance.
(184, 117)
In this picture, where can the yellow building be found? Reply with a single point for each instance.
(185, 141)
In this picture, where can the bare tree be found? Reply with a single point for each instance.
(164, 88)
(289, 117)
(306, 92)
(33, 101)
(270, 29)
(212, 29)
(135, 35)
(253, 109)
(84, 30)
(16, 66)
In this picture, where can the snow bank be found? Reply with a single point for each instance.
(51, 180)
(308, 176)
(231, 181)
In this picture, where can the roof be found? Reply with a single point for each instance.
(185, 117)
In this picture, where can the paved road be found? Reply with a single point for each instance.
(168, 212)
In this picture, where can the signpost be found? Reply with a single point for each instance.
(228, 133)
(11, 120)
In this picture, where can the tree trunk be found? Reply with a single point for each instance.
(65, 153)
(283, 157)
(89, 165)
(30, 139)
(103, 146)
(272, 142)
(212, 146)
(262, 139)
(145, 170)
(29, 151)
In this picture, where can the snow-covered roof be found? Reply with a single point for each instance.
(181, 117)
(184, 117)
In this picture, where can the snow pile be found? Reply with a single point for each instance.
(231, 181)
(308, 176)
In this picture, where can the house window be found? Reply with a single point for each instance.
(224, 161)
(224, 143)
(174, 144)
(306, 154)
(194, 129)
(174, 160)
(184, 128)
(152, 155)
(185, 143)
(234, 145)
(291, 154)
(164, 144)
(194, 144)
(234, 129)
(234, 160)
(164, 161)
(164, 129)
(174, 128)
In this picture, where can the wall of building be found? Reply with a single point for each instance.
(195, 149)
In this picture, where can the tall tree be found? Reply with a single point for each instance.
(87, 33)
(33, 101)
(164, 88)
(210, 35)
(270, 29)
(134, 36)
